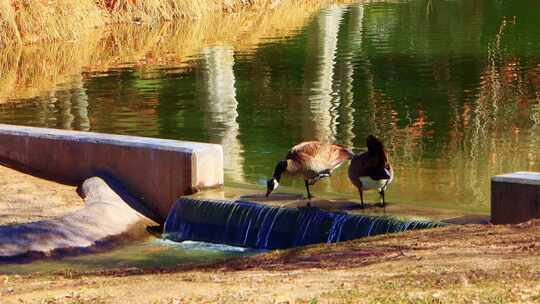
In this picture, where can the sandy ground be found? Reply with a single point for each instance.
(457, 264)
(25, 198)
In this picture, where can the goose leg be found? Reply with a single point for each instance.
(362, 198)
(308, 194)
(383, 203)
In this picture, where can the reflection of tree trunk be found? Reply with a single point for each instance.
(71, 105)
(355, 37)
(62, 100)
(323, 110)
(45, 113)
(79, 104)
(219, 75)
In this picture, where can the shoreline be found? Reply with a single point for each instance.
(464, 262)
(457, 264)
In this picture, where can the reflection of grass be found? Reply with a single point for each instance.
(31, 71)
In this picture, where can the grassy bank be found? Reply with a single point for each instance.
(29, 21)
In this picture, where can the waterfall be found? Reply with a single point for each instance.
(249, 224)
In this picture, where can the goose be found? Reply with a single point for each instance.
(311, 160)
(371, 170)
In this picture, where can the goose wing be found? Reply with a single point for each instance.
(366, 164)
(318, 157)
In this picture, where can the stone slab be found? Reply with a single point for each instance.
(515, 197)
(523, 177)
(156, 171)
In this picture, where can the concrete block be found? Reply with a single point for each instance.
(515, 197)
(156, 171)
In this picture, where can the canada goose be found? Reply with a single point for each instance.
(310, 160)
(371, 169)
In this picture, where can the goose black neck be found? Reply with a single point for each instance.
(280, 168)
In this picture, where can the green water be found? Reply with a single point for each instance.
(452, 87)
(139, 255)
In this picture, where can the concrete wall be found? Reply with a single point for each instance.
(515, 197)
(157, 171)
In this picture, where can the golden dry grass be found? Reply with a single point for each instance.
(35, 69)
(29, 21)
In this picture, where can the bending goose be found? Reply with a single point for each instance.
(311, 160)
(371, 170)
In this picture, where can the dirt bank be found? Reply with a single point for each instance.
(25, 198)
(459, 264)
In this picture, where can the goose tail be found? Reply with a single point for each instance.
(344, 153)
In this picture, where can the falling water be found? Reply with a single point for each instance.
(249, 224)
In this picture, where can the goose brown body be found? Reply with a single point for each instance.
(371, 170)
(311, 161)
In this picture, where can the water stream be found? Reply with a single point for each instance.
(253, 225)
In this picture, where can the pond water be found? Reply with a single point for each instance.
(452, 87)
(143, 254)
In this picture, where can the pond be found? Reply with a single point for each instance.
(452, 88)
(139, 255)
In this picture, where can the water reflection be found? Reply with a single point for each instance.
(222, 107)
(452, 87)
(320, 91)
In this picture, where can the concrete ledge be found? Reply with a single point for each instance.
(515, 197)
(156, 171)
(106, 217)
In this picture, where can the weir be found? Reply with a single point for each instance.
(249, 224)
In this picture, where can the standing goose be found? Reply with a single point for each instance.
(371, 170)
(311, 160)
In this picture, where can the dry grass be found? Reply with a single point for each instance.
(29, 21)
(42, 68)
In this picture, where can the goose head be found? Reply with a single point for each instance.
(273, 183)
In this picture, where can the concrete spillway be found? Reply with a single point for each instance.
(253, 225)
